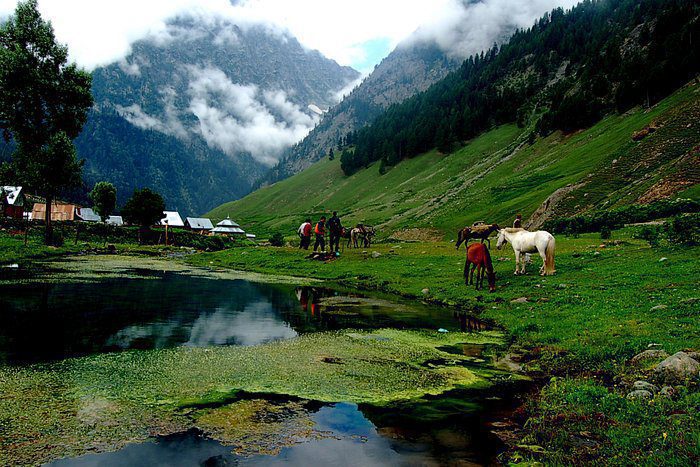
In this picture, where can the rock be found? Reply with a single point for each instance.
(425, 291)
(658, 307)
(602, 245)
(562, 286)
(661, 260)
(652, 354)
(694, 355)
(376, 254)
(640, 394)
(667, 391)
(519, 300)
(596, 253)
(677, 369)
(642, 385)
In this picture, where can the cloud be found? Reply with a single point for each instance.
(170, 123)
(242, 118)
(99, 32)
(463, 28)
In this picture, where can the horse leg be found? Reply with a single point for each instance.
(471, 274)
(517, 262)
(488, 240)
(466, 272)
(544, 260)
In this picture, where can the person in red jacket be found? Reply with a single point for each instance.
(320, 231)
(305, 234)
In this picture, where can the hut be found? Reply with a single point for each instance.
(115, 220)
(86, 215)
(199, 224)
(228, 227)
(171, 219)
(59, 211)
(12, 201)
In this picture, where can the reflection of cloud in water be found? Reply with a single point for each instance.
(257, 323)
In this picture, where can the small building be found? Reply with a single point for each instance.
(228, 227)
(171, 219)
(199, 224)
(86, 215)
(115, 220)
(59, 212)
(12, 201)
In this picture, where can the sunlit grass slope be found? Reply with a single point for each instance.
(491, 178)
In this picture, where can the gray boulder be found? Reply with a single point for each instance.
(651, 354)
(677, 369)
(642, 385)
(667, 391)
(640, 394)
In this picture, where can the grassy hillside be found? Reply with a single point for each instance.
(496, 175)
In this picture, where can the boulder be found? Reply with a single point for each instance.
(677, 369)
(640, 394)
(376, 254)
(651, 354)
(519, 300)
(642, 385)
(425, 291)
(667, 391)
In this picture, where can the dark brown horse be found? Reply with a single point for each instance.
(479, 258)
(479, 231)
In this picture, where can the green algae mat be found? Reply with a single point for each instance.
(102, 402)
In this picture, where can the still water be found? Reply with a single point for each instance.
(148, 309)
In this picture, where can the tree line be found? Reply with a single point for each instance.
(564, 73)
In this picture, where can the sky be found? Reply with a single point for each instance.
(358, 33)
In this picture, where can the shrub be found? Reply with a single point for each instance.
(277, 239)
(605, 232)
(650, 233)
(683, 230)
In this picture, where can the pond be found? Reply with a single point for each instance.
(64, 325)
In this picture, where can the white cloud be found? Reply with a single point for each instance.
(236, 117)
(100, 32)
(170, 123)
(462, 30)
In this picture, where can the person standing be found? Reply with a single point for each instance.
(305, 234)
(335, 228)
(518, 222)
(320, 231)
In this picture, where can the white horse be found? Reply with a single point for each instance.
(524, 241)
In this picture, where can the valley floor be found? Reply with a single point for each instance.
(608, 301)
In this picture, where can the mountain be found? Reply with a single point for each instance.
(410, 68)
(201, 110)
(569, 116)
(496, 175)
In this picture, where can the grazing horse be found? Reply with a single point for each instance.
(479, 258)
(524, 242)
(481, 231)
(364, 233)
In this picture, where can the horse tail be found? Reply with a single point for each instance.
(487, 260)
(549, 257)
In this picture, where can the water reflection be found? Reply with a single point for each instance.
(41, 321)
(352, 440)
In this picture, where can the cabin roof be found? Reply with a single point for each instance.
(87, 214)
(172, 218)
(115, 220)
(201, 223)
(12, 194)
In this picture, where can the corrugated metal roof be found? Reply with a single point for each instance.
(199, 223)
(228, 230)
(173, 219)
(12, 194)
(227, 223)
(115, 220)
(87, 214)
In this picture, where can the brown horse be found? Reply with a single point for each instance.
(479, 258)
(479, 231)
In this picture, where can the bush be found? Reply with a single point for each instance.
(683, 230)
(616, 218)
(650, 233)
(277, 239)
(605, 232)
